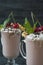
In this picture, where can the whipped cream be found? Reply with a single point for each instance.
(10, 30)
(30, 37)
(35, 36)
(41, 36)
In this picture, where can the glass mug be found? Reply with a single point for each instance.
(34, 51)
(10, 45)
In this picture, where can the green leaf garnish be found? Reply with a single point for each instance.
(33, 16)
(5, 22)
(35, 24)
(1, 26)
(28, 26)
(27, 23)
(11, 15)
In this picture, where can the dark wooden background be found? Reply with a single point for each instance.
(21, 8)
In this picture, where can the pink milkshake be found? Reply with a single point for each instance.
(34, 49)
(10, 40)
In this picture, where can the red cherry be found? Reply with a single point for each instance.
(8, 25)
(11, 24)
(36, 30)
(15, 25)
(39, 29)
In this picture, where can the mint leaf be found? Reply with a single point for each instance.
(5, 22)
(27, 23)
(35, 24)
(28, 26)
(32, 16)
(1, 26)
(29, 30)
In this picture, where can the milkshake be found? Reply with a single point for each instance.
(34, 49)
(10, 40)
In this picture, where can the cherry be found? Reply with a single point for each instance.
(15, 25)
(11, 24)
(36, 30)
(39, 29)
(8, 25)
(42, 28)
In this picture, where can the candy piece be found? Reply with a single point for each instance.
(21, 27)
(24, 34)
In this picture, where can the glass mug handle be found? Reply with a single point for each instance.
(22, 52)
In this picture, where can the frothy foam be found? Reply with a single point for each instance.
(10, 30)
(37, 39)
(35, 36)
(30, 37)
